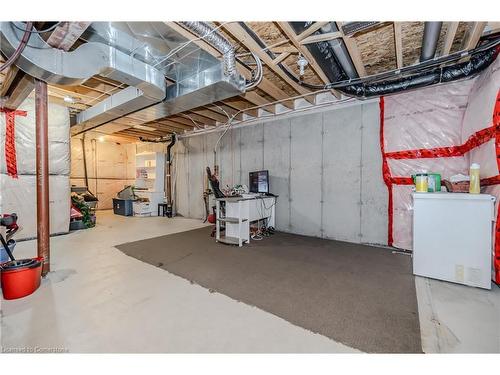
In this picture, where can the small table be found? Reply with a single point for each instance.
(164, 207)
(240, 212)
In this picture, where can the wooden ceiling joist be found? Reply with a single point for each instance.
(164, 128)
(290, 34)
(241, 105)
(282, 56)
(398, 41)
(200, 119)
(258, 100)
(321, 37)
(451, 31)
(211, 113)
(241, 35)
(181, 121)
(474, 34)
(174, 125)
(311, 30)
(232, 112)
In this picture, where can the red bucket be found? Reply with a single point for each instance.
(20, 278)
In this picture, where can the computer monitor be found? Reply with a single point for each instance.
(259, 182)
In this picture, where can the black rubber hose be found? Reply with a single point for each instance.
(476, 64)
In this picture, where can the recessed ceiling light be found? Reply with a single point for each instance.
(144, 127)
(101, 138)
(69, 99)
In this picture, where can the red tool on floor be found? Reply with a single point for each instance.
(19, 278)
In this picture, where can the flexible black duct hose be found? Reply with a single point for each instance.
(476, 64)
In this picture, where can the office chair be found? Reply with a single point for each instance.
(214, 184)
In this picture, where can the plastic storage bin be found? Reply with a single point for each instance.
(123, 207)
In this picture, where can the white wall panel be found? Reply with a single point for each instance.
(341, 174)
(252, 150)
(325, 167)
(196, 176)
(374, 194)
(226, 158)
(305, 175)
(277, 156)
(180, 183)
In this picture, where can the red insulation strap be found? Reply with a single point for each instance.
(475, 140)
(10, 140)
(495, 180)
(386, 173)
(496, 124)
(402, 180)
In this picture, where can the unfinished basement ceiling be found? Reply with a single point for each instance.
(372, 50)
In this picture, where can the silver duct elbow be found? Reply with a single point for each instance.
(210, 34)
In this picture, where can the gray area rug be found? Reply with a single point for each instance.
(361, 296)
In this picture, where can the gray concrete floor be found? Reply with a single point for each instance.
(99, 300)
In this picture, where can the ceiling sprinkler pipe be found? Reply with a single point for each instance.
(209, 34)
(432, 30)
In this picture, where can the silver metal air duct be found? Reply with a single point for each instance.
(210, 34)
(202, 88)
(195, 84)
(56, 66)
(340, 51)
(430, 39)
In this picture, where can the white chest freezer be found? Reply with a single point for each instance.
(452, 237)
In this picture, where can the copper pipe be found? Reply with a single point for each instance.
(42, 175)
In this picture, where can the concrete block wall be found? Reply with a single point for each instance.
(325, 167)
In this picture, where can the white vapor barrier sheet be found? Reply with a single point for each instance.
(426, 118)
(18, 195)
(479, 114)
(59, 139)
(438, 116)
